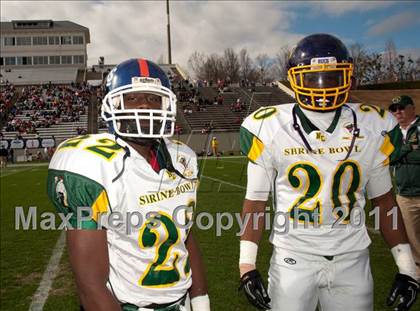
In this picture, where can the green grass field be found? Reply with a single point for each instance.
(25, 254)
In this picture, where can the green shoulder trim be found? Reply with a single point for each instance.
(251, 146)
(396, 139)
(69, 192)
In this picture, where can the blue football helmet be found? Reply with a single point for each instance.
(319, 71)
(139, 76)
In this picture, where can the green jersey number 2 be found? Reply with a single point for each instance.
(311, 184)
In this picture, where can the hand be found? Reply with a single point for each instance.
(406, 288)
(255, 290)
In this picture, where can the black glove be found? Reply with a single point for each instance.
(406, 288)
(255, 290)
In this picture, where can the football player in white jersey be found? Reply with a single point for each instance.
(320, 157)
(129, 197)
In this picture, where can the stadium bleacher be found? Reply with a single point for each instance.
(40, 76)
(222, 116)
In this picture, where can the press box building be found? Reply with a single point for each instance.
(40, 51)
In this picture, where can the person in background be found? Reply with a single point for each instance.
(215, 146)
(407, 170)
(3, 157)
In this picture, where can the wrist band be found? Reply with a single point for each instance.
(404, 259)
(248, 252)
(200, 303)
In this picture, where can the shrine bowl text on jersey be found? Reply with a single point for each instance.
(307, 184)
(149, 263)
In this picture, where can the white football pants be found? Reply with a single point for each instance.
(299, 282)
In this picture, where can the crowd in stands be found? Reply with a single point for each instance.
(46, 105)
(7, 92)
(238, 106)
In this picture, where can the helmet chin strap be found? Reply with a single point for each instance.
(355, 132)
(168, 160)
(160, 145)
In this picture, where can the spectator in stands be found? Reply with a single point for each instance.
(178, 129)
(3, 157)
(238, 120)
(407, 170)
(220, 99)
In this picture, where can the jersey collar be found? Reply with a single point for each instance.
(309, 127)
(159, 159)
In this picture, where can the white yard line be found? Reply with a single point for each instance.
(223, 182)
(28, 164)
(17, 171)
(41, 294)
(222, 157)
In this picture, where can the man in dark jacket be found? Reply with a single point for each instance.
(407, 170)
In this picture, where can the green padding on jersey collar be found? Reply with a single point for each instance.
(308, 126)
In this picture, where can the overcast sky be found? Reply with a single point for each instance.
(124, 29)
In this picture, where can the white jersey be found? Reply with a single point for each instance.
(321, 189)
(148, 260)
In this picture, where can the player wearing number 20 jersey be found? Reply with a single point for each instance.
(321, 158)
(302, 181)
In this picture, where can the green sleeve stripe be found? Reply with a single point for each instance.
(70, 191)
(245, 140)
(251, 145)
(395, 136)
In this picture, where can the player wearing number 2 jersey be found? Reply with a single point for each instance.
(320, 157)
(130, 195)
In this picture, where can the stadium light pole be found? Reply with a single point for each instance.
(169, 33)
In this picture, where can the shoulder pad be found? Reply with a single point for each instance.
(93, 156)
(377, 118)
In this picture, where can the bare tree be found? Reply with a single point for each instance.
(359, 56)
(231, 65)
(246, 65)
(417, 69)
(390, 60)
(400, 64)
(262, 62)
(196, 63)
(213, 67)
(281, 60)
(373, 65)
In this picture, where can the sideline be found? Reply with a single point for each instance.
(41, 294)
(28, 164)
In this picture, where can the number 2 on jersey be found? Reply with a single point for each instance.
(162, 271)
(313, 182)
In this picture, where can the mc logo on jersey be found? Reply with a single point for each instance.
(320, 136)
